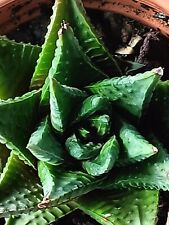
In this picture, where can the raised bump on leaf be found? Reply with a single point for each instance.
(63, 101)
(119, 208)
(17, 63)
(68, 53)
(44, 63)
(61, 185)
(20, 190)
(43, 217)
(44, 145)
(17, 120)
(134, 147)
(132, 93)
(106, 159)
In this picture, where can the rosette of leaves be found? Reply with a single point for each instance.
(78, 140)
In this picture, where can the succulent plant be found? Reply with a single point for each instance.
(71, 129)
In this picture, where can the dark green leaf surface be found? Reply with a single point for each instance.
(19, 188)
(132, 93)
(158, 113)
(91, 105)
(17, 120)
(43, 217)
(105, 161)
(70, 65)
(61, 185)
(150, 174)
(60, 13)
(134, 147)
(121, 208)
(17, 63)
(44, 145)
(82, 151)
(63, 102)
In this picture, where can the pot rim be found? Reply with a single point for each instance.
(153, 13)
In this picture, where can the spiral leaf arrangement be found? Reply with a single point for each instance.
(81, 131)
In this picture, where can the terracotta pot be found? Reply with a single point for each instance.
(154, 13)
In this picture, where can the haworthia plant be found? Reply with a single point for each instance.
(85, 140)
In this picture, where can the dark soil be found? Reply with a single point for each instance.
(116, 31)
(76, 218)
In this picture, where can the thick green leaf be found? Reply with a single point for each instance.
(152, 174)
(92, 45)
(132, 93)
(70, 65)
(20, 190)
(82, 151)
(158, 113)
(17, 120)
(93, 104)
(105, 161)
(60, 13)
(121, 208)
(17, 63)
(44, 216)
(44, 145)
(63, 102)
(102, 124)
(61, 185)
(134, 147)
